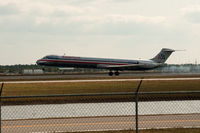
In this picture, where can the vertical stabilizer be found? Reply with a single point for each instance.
(163, 55)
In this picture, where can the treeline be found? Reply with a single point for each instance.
(17, 68)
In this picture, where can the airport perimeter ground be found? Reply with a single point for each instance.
(97, 83)
(107, 85)
(77, 85)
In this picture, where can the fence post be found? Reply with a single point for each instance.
(1, 103)
(136, 106)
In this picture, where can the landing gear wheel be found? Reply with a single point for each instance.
(110, 73)
(117, 73)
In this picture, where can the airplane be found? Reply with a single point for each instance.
(115, 65)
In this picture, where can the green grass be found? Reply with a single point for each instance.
(97, 87)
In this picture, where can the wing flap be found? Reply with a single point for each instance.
(120, 66)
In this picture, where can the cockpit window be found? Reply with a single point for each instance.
(51, 57)
(46, 57)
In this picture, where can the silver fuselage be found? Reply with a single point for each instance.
(98, 63)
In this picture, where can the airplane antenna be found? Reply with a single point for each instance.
(196, 62)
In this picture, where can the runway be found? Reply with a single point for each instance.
(94, 76)
(101, 123)
(100, 80)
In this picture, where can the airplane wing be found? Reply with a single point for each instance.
(120, 66)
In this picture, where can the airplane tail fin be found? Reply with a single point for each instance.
(163, 55)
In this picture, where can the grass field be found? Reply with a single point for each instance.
(97, 87)
(30, 89)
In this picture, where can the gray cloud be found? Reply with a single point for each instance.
(9, 9)
(193, 17)
(192, 13)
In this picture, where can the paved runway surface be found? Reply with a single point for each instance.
(98, 80)
(93, 75)
(100, 123)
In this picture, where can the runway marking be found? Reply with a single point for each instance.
(101, 123)
(99, 80)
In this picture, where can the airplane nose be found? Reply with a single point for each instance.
(38, 62)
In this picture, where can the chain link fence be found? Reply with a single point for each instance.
(163, 110)
(100, 112)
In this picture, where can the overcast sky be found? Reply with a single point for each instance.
(126, 29)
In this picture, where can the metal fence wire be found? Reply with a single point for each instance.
(169, 110)
(35, 114)
(100, 112)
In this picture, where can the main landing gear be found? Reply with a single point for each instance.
(111, 73)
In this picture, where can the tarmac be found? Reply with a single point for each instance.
(98, 80)
(101, 123)
(93, 75)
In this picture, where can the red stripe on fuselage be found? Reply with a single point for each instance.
(83, 62)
